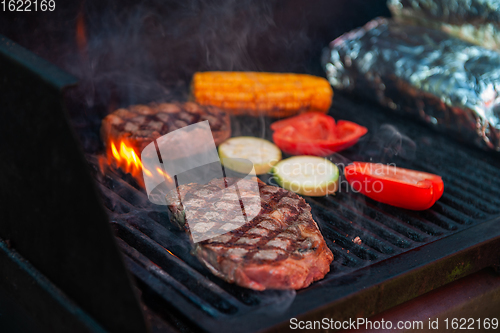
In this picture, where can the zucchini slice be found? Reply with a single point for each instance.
(307, 175)
(262, 153)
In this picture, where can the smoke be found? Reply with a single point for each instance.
(136, 52)
(388, 143)
(148, 51)
(275, 302)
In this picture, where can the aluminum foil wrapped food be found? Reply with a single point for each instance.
(476, 21)
(449, 83)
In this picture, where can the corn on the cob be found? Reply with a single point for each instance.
(255, 93)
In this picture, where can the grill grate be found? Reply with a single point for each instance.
(158, 254)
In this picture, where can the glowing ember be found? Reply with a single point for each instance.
(171, 253)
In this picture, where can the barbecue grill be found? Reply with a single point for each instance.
(59, 259)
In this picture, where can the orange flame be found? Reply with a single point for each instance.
(164, 174)
(123, 156)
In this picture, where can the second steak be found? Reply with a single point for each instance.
(141, 124)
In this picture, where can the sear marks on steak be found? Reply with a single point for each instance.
(141, 124)
(281, 248)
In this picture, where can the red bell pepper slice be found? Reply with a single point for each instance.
(395, 186)
(314, 133)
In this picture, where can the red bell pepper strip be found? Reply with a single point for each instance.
(395, 186)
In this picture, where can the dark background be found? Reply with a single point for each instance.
(142, 47)
(130, 52)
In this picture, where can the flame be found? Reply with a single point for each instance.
(115, 152)
(122, 155)
(166, 175)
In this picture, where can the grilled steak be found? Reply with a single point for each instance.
(281, 248)
(141, 124)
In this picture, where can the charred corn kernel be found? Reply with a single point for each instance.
(256, 93)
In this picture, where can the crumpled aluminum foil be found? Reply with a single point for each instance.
(476, 21)
(447, 82)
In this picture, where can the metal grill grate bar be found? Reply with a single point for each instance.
(377, 214)
(452, 213)
(165, 278)
(174, 271)
(359, 218)
(352, 228)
